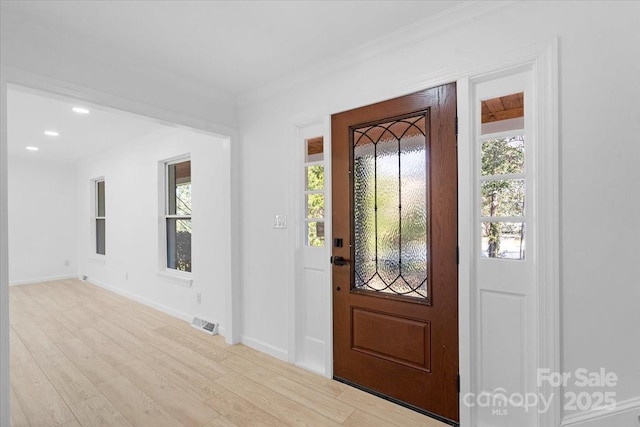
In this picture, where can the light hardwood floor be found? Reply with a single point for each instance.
(83, 356)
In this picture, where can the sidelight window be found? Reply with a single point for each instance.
(314, 190)
(502, 178)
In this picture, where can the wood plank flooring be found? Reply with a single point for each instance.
(84, 356)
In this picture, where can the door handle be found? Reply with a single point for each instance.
(338, 260)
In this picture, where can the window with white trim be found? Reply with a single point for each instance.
(178, 214)
(502, 177)
(314, 191)
(100, 219)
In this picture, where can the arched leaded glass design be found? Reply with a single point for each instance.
(390, 206)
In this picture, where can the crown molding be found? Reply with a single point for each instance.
(400, 39)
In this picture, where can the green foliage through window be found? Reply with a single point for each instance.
(315, 177)
(503, 197)
(315, 205)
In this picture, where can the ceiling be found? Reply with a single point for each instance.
(239, 45)
(31, 114)
(231, 46)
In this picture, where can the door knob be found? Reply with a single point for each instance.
(338, 260)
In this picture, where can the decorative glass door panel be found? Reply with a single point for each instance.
(390, 227)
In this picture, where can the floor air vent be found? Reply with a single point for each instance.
(205, 326)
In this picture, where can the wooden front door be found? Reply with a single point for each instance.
(395, 275)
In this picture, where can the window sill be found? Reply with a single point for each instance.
(98, 259)
(182, 279)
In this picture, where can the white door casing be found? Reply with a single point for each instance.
(539, 293)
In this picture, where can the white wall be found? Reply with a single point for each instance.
(133, 195)
(42, 220)
(600, 158)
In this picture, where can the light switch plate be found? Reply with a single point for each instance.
(279, 221)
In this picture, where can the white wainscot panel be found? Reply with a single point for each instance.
(503, 361)
(313, 284)
(313, 324)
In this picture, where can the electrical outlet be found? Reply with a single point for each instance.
(67, 263)
(126, 276)
(199, 297)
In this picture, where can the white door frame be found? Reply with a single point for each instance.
(11, 76)
(4, 260)
(543, 59)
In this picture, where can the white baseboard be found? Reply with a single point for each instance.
(42, 279)
(262, 346)
(312, 368)
(625, 414)
(171, 312)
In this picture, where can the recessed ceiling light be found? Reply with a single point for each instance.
(80, 110)
(32, 148)
(51, 133)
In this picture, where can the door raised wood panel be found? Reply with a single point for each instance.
(397, 339)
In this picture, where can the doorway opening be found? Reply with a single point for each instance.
(86, 199)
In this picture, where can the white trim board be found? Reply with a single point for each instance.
(403, 36)
(4, 259)
(134, 297)
(263, 347)
(174, 313)
(42, 279)
(623, 415)
(47, 86)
